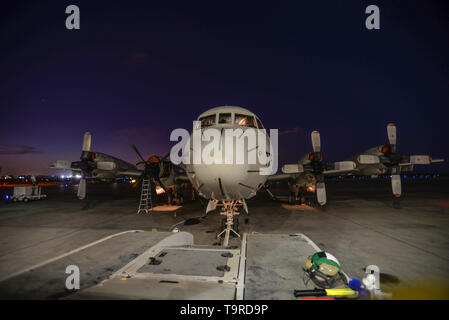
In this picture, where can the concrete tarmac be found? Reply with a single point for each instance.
(361, 225)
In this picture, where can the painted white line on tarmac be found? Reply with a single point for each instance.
(15, 274)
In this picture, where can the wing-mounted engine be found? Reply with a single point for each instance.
(386, 159)
(312, 168)
(90, 165)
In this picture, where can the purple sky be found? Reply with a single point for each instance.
(133, 73)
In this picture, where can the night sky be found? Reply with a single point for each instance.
(138, 69)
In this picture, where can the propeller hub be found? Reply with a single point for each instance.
(154, 159)
(152, 170)
(385, 149)
(391, 159)
(317, 167)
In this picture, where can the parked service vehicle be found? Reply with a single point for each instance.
(27, 193)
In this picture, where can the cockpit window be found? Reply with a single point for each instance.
(207, 121)
(225, 118)
(244, 120)
(259, 124)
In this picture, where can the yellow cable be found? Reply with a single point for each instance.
(340, 292)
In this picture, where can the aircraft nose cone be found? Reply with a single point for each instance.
(225, 173)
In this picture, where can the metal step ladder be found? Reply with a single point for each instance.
(145, 196)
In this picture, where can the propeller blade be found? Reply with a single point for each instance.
(166, 156)
(396, 185)
(420, 159)
(292, 168)
(138, 153)
(86, 141)
(82, 189)
(316, 142)
(321, 193)
(391, 130)
(62, 164)
(368, 159)
(106, 165)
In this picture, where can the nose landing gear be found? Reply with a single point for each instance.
(229, 209)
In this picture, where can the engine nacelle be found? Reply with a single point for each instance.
(306, 180)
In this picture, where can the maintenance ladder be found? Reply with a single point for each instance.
(145, 195)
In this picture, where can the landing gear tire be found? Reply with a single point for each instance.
(314, 203)
(397, 203)
(235, 226)
(170, 198)
(291, 198)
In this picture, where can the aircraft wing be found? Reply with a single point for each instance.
(182, 177)
(402, 164)
(130, 173)
(280, 176)
(338, 168)
(338, 172)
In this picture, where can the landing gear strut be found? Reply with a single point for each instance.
(229, 209)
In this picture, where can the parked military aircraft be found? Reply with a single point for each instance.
(384, 159)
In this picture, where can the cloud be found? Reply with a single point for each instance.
(148, 140)
(290, 131)
(138, 58)
(18, 149)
